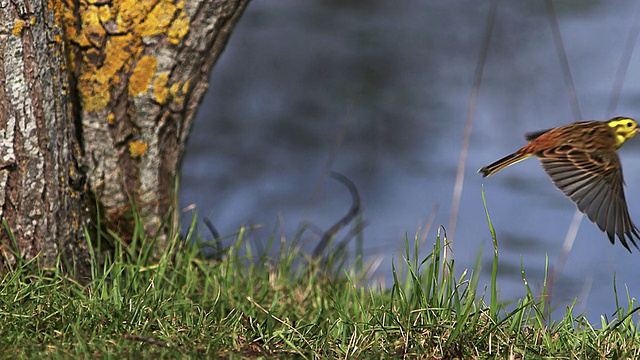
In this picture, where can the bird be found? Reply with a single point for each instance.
(582, 161)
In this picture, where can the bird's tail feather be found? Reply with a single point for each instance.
(503, 163)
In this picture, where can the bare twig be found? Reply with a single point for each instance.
(564, 60)
(477, 80)
(625, 59)
(572, 232)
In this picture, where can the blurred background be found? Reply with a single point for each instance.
(379, 91)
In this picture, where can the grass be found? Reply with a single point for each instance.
(249, 305)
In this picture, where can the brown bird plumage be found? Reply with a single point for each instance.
(582, 161)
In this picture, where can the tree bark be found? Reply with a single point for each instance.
(41, 202)
(102, 90)
(141, 70)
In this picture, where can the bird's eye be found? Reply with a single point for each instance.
(629, 124)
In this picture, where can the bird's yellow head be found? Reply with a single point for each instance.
(625, 128)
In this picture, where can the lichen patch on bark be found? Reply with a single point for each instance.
(111, 37)
(17, 28)
(137, 148)
(142, 74)
(160, 90)
(140, 69)
(158, 19)
(179, 28)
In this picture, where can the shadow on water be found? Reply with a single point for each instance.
(396, 79)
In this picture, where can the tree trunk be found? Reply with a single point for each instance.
(142, 68)
(139, 69)
(41, 199)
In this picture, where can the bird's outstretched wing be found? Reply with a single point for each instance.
(594, 182)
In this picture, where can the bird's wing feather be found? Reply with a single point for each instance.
(594, 182)
(532, 135)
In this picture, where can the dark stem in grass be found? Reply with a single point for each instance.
(355, 209)
(216, 237)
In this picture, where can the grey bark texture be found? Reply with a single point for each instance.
(40, 202)
(97, 98)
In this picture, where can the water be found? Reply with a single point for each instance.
(396, 78)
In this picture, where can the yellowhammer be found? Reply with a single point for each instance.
(582, 161)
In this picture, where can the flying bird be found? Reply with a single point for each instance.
(582, 161)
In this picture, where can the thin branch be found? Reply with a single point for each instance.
(477, 81)
(564, 60)
(572, 232)
(621, 73)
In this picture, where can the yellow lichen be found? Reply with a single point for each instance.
(185, 87)
(175, 88)
(142, 75)
(179, 28)
(95, 82)
(32, 20)
(137, 148)
(160, 91)
(94, 91)
(158, 19)
(93, 32)
(176, 92)
(110, 118)
(119, 51)
(71, 61)
(104, 13)
(101, 59)
(133, 12)
(65, 13)
(17, 28)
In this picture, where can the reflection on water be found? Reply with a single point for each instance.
(395, 80)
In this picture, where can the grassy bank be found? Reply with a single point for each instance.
(286, 305)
